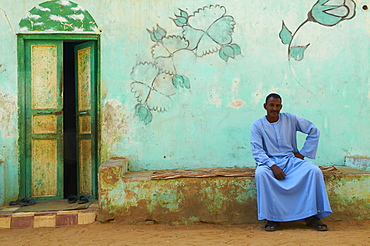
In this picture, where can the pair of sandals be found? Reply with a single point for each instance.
(74, 198)
(313, 222)
(23, 202)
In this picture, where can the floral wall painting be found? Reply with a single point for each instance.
(206, 31)
(324, 12)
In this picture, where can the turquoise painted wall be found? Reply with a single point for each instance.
(208, 115)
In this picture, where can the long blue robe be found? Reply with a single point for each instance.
(302, 193)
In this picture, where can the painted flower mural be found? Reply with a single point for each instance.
(331, 12)
(324, 12)
(208, 30)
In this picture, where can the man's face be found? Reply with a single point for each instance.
(273, 107)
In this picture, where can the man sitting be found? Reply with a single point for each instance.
(289, 188)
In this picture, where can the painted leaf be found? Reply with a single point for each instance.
(141, 91)
(182, 19)
(203, 18)
(152, 36)
(137, 107)
(178, 23)
(222, 55)
(157, 36)
(222, 29)
(184, 13)
(297, 52)
(168, 46)
(161, 31)
(236, 48)
(229, 51)
(145, 72)
(148, 118)
(163, 84)
(186, 82)
(193, 36)
(143, 113)
(285, 35)
(178, 81)
(158, 102)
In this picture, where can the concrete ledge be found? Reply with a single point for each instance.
(360, 162)
(134, 198)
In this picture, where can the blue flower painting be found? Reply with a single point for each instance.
(324, 12)
(206, 31)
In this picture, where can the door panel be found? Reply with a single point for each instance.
(85, 54)
(44, 119)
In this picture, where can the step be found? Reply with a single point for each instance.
(10, 218)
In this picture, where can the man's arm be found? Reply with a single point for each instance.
(260, 155)
(312, 140)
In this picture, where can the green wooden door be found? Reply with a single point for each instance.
(44, 119)
(85, 57)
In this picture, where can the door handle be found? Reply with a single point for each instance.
(60, 112)
(44, 112)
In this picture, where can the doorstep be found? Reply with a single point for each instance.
(11, 219)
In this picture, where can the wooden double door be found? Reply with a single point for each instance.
(59, 144)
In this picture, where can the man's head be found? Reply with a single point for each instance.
(273, 106)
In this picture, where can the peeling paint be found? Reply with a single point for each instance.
(114, 127)
(8, 114)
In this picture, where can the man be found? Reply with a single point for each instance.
(289, 188)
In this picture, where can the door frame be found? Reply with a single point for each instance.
(21, 38)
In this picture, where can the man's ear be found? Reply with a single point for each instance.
(264, 106)
(281, 106)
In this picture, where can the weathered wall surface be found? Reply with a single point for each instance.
(181, 82)
(135, 198)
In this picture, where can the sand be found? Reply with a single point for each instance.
(292, 233)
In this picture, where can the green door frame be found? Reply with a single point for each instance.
(22, 102)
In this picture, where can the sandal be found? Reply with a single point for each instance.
(317, 224)
(83, 199)
(271, 226)
(23, 202)
(72, 199)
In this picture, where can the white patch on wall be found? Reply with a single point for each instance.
(50, 30)
(38, 23)
(236, 103)
(215, 99)
(31, 16)
(64, 2)
(58, 18)
(258, 94)
(78, 8)
(43, 9)
(77, 17)
(8, 107)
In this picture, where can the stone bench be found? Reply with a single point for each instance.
(134, 197)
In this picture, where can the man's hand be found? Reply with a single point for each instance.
(278, 173)
(299, 155)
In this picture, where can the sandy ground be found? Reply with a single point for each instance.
(292, 233)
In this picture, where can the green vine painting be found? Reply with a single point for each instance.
(206, 31)
(324, 12)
